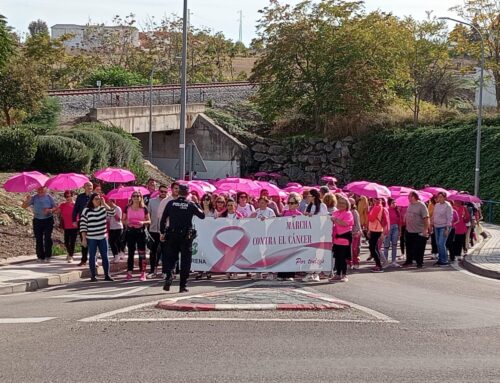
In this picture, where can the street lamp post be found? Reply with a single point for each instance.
(150, 143)
(480, 104)
(182, 131)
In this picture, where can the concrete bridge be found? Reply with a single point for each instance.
(223, 154)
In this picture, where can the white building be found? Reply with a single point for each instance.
(91, 36)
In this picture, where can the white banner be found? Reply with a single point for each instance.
(285, 244)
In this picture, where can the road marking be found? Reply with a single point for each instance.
(99, 294)
(208, 319)
(467, 272)
(25, 320)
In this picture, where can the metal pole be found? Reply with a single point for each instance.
(150, 141)
(182, 132)
(480, 106)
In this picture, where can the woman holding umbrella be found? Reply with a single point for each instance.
(93, 229)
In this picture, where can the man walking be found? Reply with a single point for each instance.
(154, 228)
(180, 234)
(442, 221)
(81, 203)
(417, 230)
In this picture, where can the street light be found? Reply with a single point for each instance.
(150, 149)
(480, 105)
(182, 130)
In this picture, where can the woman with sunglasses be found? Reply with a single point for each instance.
(230, 213)
(208, 208)
(244, 208)
(93, 229)
(220, 205)
(65, 209)
(343, 222)
(136, 217)
(292, 210)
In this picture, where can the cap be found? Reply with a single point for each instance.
(183, 189)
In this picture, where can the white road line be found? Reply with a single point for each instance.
(208, 319)
(25, 320)
(467, 272)
(99, 295)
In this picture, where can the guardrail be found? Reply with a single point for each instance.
(491, 211)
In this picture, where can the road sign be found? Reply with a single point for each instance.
(194, 161)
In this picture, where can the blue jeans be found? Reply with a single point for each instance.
(102, 244)
(441, 244)
(392, 241)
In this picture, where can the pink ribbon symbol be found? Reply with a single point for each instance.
(233, 255)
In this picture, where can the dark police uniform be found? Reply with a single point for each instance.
(179, 235)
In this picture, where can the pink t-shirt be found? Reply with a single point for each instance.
(348, 218)
(67, 215)
(463, 218)
(135, 216)
(291, 213)
(394, 216)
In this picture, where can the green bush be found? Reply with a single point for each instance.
(115, 76)
(48, 115)
(57, 154)
(17, 148)
(442, 156)
(96, 143)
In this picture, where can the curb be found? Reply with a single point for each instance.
(473, 268)
(56, 279)
(166, 305)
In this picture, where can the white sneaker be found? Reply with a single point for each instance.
(270, 276)
(394, 264)
(69, 259)
(151, 275)
(315, 277)
(308, 278)
(257, 276)
(434, 256)
(290, 279)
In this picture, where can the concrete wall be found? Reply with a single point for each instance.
(221, 152)
(135, 119)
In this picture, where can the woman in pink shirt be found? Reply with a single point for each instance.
(343, 222)
(461, 228)
(70, 230)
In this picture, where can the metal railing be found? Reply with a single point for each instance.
(491, 211)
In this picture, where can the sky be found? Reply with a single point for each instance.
(218, 15)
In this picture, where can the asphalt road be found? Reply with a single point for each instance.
(445, 328)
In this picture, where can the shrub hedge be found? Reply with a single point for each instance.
(443, 156)
(17, 148)
(95, 142)
(57, 154)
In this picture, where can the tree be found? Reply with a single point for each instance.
(22, 88)
(38, 27)
(7, 42)
(326, 59)
(484, 15)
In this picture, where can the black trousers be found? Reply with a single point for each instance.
(178, 243)
(115, 241)
(458, 245)
(70, 240)
(342, 253)
(434, 245)
(154, 252)
(42, 228)
(85, 250)
(136, 239)
(415, 248)
(373, 246)
(402, 241)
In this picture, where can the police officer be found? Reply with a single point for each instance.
(180, 234)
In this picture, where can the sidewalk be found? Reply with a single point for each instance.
(23, 274)
(485, 258)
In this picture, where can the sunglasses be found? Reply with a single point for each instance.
(220, 201)
(136, 196)
(292, 202)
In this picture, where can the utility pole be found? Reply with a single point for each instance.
(182, 131)
(240, 38)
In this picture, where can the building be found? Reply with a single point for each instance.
(94, 36)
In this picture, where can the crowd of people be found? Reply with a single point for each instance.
(143, 222)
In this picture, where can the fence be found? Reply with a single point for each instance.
(491, 212)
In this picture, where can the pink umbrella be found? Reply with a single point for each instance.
(126, 192)
(193, 187)
(294, 189)
(398, 191)
(452, 192)
(261, 174)
(464, 197)
(25, 182)
(207, 187)
(328, 179)
(273, 190)
(115, 175)
(293, 184)
(371, 190)
(355, 184)
(403, 200)
(66, 181)
(435, 190)
(274, 175)
(249, 188)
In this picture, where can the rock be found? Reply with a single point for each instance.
(303, 158)
(278, 159)
(314, 160)
(260, 140)
(335, 155)
(325, 140)
(345, 151)
(319, 146)
(294, 173)
(313, 168)
(315, 140)
(324, 158)
(260, 157)
(348, 139)
(260, 148)
(328, 148)
(276, 149)
(338, 145)
(308, 149)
